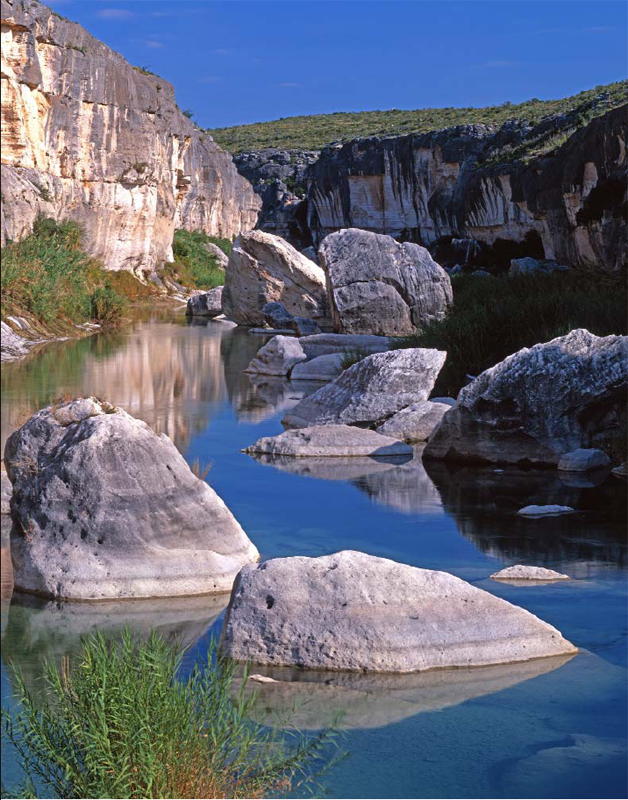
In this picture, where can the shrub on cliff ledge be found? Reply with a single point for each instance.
(121, 721)
(493, 317)
(47, 274)
(194, 266)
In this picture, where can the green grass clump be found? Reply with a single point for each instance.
(194, 266)
(491, 318)
(316, 131)
(48, 274)
(120, 721)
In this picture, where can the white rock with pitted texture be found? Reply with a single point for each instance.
(540, 403)
(321, 368)
(583, 460)
(263, 269)
(277, 357)
(205, 304)
(330, 441)
(105, 508)
(352, 611)
(322, 344)
(372, 390)
(545, 511)
(379, 286)
(416, 423)
(521, 572)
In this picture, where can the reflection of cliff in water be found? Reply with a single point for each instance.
(484, 504)
(314, 700)
(38, 630)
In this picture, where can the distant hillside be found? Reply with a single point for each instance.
(314, 132)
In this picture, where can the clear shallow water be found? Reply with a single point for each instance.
(552, 728)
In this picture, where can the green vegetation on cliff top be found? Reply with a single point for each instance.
(314, 132)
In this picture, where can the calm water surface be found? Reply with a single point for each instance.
(549, 729)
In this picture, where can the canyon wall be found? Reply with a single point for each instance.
(87, 136)
(568, 203)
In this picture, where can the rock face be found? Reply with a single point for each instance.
(102, 508)
(14, 346)
(321, 368)
(221, 257)
(583, 460)
(264, 268)
(442, 186)
(330, 440)
(416, 423)
(351, 611)
(322, 344)
(379, 286)
(205, 304)
(372, 390)
(521, 572)
(87, 136)
(539, 403)
(277, 357)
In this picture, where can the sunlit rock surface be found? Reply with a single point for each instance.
(330, 441)
(85, 135)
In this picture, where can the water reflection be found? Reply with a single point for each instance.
(314, 700)
(484, 503)
(38, 631)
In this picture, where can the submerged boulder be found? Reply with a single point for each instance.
(205, 304)
(539, 403)
(330, 440)
(583, 460)
(522, 572)
(103, 507)
(264, 268)
(352, 611)
(416, 423)
(277, 357)
(372, 390)
(379, 286)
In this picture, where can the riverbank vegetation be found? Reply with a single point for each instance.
(121, 720)
(194, 265)
(48, 276)
(493, 317)
(316, 131)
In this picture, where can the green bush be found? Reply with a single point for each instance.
(48, 275)
(194, 266)
(108, 306)
(120, 721)
(494, 317)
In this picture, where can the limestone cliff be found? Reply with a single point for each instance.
(85, 135)
(568, 204)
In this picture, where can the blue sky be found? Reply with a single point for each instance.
(244, 61)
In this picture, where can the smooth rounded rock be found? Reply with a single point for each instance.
(583, 460)
(321, 368)
(330, 440)
(351, 611)
(277, 357)
(522, 572)
(105, 508)
(544, 511)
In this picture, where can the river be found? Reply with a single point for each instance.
(551, 728)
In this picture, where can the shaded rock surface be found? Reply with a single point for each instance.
(540, 403)
(205, 304)
(351, 611)
(321, 344)
(378, 286)
(522, 572)
(371, 390)
(277, 357)
(104, 508)
(86, 136)
(262, 269)
(583, 460)
(14, 346)
(322, 368)
(416, 423)
(330, 440)
(544, 511)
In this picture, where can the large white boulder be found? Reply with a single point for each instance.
(372, 390)
(416, 423)
(277, 357)
(322, 368)
(539, 403)
(264, 268)
(377, 285)
(331, 441)
(105, 508)
(351, 611)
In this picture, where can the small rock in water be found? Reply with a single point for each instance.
(330, 440)
(276, 316)
(544, 511)
(521, 572)
(205, 304)
(322, 368)
(583, 460)
(277, 357)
